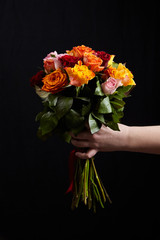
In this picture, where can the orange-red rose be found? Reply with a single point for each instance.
(93, 62)
(55, 81)
(79, 51)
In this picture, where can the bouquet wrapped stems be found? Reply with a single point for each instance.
(88, 187)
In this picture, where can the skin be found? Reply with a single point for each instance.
(134, 139)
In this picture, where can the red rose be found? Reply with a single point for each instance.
(37, 79)
(104, 56)
(68, 60)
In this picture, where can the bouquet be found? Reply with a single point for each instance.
(78, 87)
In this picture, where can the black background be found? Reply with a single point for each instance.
(34, 174)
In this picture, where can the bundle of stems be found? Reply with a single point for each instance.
(88, 187)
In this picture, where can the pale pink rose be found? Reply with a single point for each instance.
(110, 85)
(52, 62)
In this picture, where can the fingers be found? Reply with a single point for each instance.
(80, 144)
(85, 155)
(82, 135)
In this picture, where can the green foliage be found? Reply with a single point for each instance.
(48, 122)
(105, 106)
(98, 89)
(70, 109)
(93, 124)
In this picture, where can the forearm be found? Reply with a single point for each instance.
(132, 139)
(144, 139)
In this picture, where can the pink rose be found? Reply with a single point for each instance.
(110, 85)
(52, 62)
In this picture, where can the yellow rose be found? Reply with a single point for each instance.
(122, 73)
(79, 74)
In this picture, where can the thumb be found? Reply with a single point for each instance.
(85, 155)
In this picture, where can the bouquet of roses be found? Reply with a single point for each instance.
(78, 87)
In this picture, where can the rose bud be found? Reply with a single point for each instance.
(110, 85)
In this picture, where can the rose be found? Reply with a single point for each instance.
(68, 61)
(93, 62)
(79, 51)
(37, 78)
(55, 81)
(52, 62)
(79, 75)
(110, 85)
(123, 73)
(104, 56)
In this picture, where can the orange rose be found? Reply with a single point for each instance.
(122, 73)
(79, 51)
(93, 62)
(55, 81)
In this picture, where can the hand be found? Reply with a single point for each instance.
(105, 140)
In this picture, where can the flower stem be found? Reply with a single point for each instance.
(88, 187)
(98, 180)
(86, 174)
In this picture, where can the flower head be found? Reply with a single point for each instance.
(55, 81)
(104, 56)
(123, 73)
(110, 85)
(52, 62)
(68, 60)
(79, 51)
(79, 74)
(93, 62)
(37, 78)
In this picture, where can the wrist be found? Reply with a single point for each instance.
(125, 137)
(133, 143)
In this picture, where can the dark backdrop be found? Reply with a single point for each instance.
(34, 174)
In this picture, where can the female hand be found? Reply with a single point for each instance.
(145, 139)
(105, 140)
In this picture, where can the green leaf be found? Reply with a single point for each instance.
(93, 124)
(105, 106)
(78, 89)
(42, 94)
(118, 103)
(98, 89)
(115, 65)
(120, 114)
(52, 99)
(48, 122)
(86, 91)
(85, 99)
(66, 137)
(38, 116)
(85, 109)
(113, 125)
(123, 91)
(115, 116)
(43, 137)
(99, 117)
(63, 106)
(73, 120)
